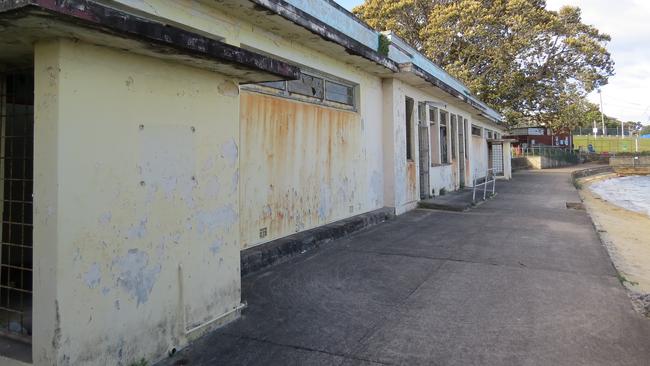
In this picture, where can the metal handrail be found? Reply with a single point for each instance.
(489, 172)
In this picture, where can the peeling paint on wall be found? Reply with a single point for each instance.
(105, 218)
(150, 177)
(137, 231)
(216, 245)
(221, 217)
(93, 276)
(213, 187)
(136, 275)
(376, 187)
(167, 155)
(230, 152)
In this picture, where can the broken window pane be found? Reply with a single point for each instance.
(307, 85)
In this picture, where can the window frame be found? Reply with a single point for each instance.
(283, 89)
(434, 132)
(443, 125)
(453, 123)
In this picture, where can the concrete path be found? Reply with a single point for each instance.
(520, 280)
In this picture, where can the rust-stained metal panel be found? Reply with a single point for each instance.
(301, 166)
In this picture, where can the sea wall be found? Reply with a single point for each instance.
(630, 165)
(545, 162)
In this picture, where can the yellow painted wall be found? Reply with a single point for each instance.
(364, 169)
(136, 202)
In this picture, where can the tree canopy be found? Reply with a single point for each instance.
(531, 63)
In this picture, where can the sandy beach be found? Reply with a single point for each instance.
(625, 233)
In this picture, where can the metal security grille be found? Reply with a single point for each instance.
(497, 159)
(423, 136)
(16, 165)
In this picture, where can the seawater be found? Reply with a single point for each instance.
(631, 193)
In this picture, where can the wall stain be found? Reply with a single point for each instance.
(412, 194)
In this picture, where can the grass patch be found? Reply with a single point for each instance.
(611, 144)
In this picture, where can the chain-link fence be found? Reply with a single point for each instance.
(616, 131)
(610, 144)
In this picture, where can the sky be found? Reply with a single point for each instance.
(627, 96)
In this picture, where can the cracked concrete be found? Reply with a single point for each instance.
(520, 280)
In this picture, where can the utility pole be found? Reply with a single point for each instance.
(595, 130)
(602, 115)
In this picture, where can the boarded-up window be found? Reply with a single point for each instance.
(335, 92)
(308, 85)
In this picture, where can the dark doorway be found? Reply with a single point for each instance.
(409, 127)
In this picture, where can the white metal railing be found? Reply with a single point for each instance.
(489, 178)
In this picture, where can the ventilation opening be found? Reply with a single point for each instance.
(16, 168)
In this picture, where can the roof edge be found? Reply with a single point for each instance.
(92, 15)
(325, 31)
(433, 80)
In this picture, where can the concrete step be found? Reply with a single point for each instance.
(277, 251)
(454, 201)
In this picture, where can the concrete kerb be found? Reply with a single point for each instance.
(281, 250)
(640, 302)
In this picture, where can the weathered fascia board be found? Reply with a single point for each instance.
(23, 22)
(286, 20)
(418, 77)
